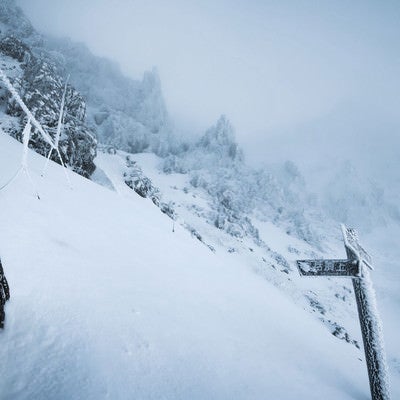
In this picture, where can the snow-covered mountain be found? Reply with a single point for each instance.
(182, 272)
(101, 103)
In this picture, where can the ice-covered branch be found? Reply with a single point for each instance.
(21, 103)
(60, 118)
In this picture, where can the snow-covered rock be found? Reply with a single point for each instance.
(41, 89)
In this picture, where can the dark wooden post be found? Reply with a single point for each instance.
(4, 294)
(356, 267)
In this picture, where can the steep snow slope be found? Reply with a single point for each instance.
(108, 302)
(269, 251)
(272, 256)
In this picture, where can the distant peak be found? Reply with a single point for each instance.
(151, 79)
(12, 16)
(222, 133)
(220, 138)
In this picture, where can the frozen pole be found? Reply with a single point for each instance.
(356, 266)
(24, 163)
(371, 326)
(58, 135)
(59, 127)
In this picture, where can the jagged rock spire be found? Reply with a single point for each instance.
(152, 111)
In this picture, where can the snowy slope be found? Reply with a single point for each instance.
(108, 302)
(330, 300)
(272, 254)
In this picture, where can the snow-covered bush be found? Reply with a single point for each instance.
(172, 164)
(168, 209)
(144, 187)
(137, 181)
(14, 48)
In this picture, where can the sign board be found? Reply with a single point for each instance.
(328, 268)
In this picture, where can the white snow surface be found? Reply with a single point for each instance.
(108, 302)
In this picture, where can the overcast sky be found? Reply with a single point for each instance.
(273, 67)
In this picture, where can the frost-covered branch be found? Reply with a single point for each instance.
(21, 103)
(60, 118)
(58, 130)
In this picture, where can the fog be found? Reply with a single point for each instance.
(290, 75)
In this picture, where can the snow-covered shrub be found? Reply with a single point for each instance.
(168, 209)
(137, 181)
(172, 164)
(14, 48)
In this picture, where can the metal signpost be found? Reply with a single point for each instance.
(356, 266)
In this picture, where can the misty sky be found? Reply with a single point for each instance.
(296, 68)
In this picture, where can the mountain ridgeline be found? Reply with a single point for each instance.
(105, 107)
(120, 112)
(102, 106)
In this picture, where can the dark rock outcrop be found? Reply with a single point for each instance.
(41, 88)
